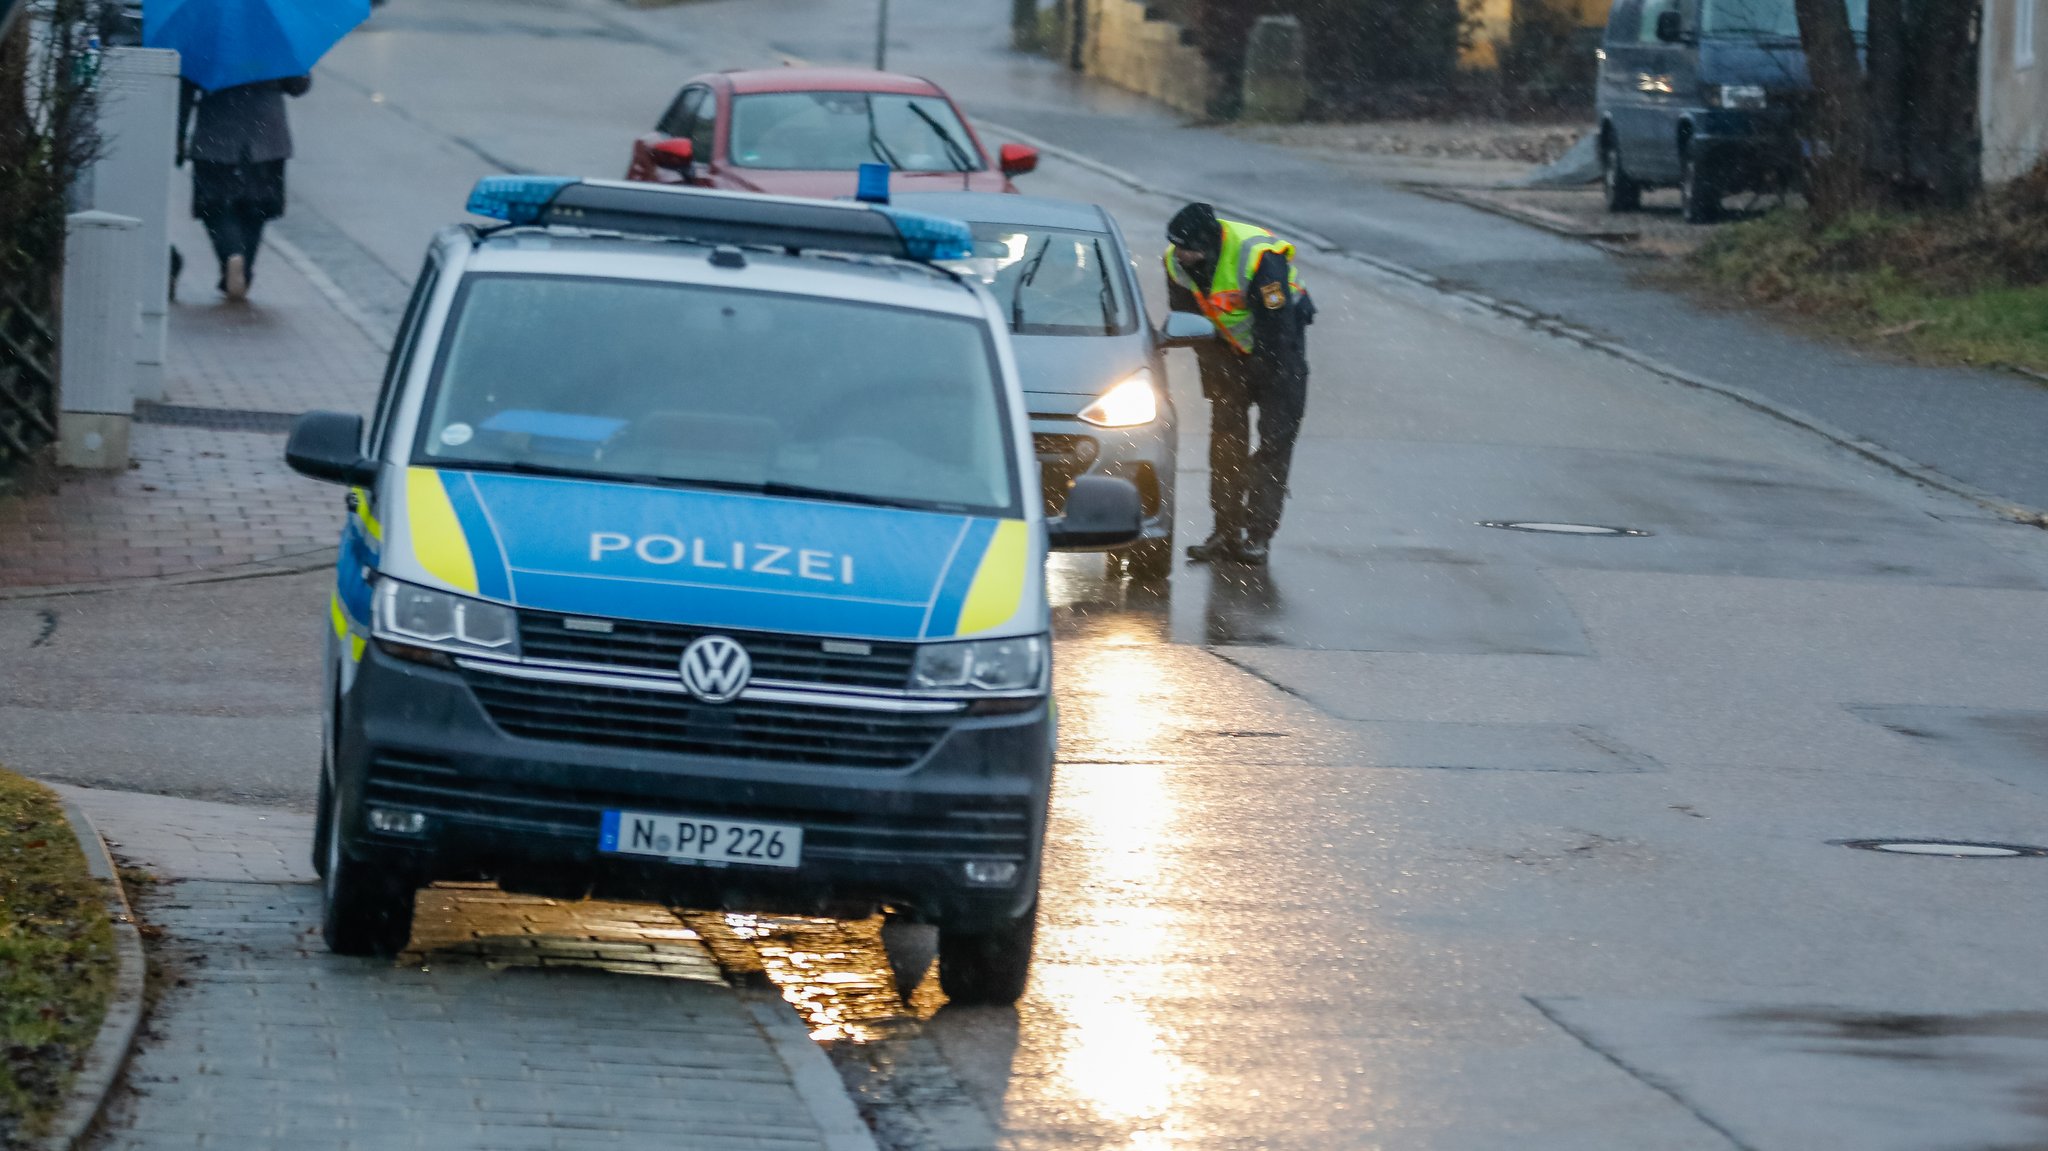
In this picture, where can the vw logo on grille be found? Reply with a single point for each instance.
(716, 668)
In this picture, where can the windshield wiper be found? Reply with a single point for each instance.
(875, 144)
(1108, 293)
(805, 491)
(954, 152)
(1771, 36)
(513, 467)
(1029, 274)
(773, 488)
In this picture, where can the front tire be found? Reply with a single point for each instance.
(367, 907)
(1146, 562)
(1623, 193)
(323, 820)
(988, 968)
(1697, 195)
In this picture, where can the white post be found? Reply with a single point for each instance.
(96, 341)
(138, 118)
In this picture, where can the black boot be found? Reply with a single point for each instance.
(1220, 547)
(1252, 552)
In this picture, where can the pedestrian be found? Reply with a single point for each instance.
(1243, 278)
(238, 143)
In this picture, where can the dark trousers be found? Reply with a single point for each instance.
(1247, 485)
(234, 201)
(236, 230)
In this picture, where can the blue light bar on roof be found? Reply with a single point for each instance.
(516, 199)
(872, 186)
(707, 217)
(930, 238)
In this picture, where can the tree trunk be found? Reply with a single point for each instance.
(1840, 124)
(1940, 135)
(1889, 74)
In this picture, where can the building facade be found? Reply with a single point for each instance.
(2012, 88)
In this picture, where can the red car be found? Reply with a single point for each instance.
(807, 131)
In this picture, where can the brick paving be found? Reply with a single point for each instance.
(203, 499)
(509, 1026)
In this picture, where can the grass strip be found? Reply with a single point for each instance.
(57, 963)
(1965, 287)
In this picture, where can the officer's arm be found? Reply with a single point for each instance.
(1274, 323)
(1179, 299)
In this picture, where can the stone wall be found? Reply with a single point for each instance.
(1134, 47)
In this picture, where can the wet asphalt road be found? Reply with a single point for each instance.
(1434, 835)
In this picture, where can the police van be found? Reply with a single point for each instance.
(694, 554)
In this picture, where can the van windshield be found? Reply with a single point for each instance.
(748, 391)
(1768, 20)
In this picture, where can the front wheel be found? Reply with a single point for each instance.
(990, 967)
(1697, 195)
(1623, 193)
(1147, 561)
(367, 907)
(323, 823)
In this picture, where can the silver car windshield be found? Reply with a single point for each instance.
(840, 131)
(753, 391)
(1052, 282)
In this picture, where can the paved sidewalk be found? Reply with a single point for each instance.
(209, 490)
(512, 1026)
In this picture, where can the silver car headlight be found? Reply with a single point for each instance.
(422, 617)
(1006, 665)
(1131, 402)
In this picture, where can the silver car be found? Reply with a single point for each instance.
(1087, 356)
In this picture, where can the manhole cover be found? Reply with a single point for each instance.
(1948, 848)
(1561, 529)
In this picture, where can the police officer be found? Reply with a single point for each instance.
(1242, 277)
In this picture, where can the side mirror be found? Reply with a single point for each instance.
(1670, 28)
(328, 446)
(674, 155)
(1017, 159)
(1186, 330)
(1102, 512)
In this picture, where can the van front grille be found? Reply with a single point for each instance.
(665, 721)
(637, 646)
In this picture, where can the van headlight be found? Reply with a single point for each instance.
(982, 665)
(1738, 97)
(1131, 402)
(422, 617)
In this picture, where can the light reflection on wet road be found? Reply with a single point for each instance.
(1097, 1035)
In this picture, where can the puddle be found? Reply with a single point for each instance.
(460, 924)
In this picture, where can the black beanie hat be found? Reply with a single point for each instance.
(1195, 226)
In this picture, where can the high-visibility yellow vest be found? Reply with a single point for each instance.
(1244, 245)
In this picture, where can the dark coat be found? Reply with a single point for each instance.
(245, 124)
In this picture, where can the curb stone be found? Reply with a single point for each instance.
(315, 559)
(811, 1072)
(1874, 452)
(1534, 217)
(330, 291)
(123, 1020)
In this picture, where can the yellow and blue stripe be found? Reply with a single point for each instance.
(452, 536)
(984, 583)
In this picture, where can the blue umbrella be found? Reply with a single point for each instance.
(223, 43)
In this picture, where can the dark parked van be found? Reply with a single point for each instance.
(1702, 94)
